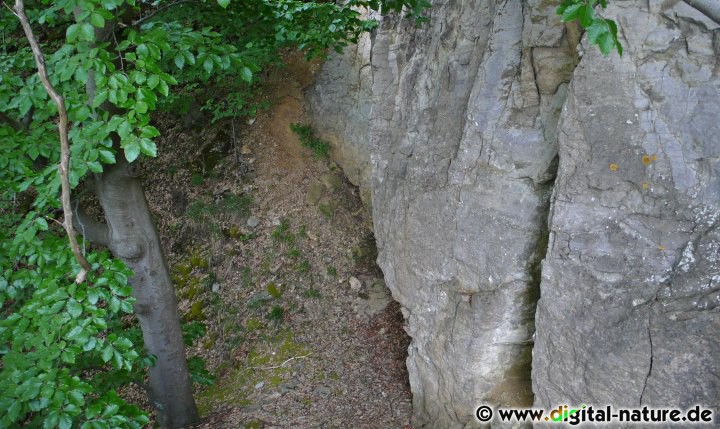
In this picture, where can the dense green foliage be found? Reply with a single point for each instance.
(601, 32)
(68, 348)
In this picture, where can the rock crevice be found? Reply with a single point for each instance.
(505, 160)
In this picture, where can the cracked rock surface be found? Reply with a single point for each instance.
(451, 128)
(451, 131)
(630, 297)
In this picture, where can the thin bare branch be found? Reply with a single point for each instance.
(96, 232)
(151, 15)
(19, 11)
(10, 9)
(265, 368)
(27, 119)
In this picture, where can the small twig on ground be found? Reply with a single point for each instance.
(19, 11)
(234, 140)
(265, 368)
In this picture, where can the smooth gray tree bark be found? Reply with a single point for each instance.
(131, 236)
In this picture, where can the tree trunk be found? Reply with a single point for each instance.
(133, 238)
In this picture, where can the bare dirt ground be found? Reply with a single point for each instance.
(271, 248)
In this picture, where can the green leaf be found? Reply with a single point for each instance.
(118, 359)
(13, 411)
(106, 156)
(97, 20)
(149, 131)
(223, 3)
(126, 306)
(132, 151)
(81, 74)
(123, 343)
(596, 30)
(114, 304)
(163, 88)
(51, 420)
(153, 81)
(107, 353)
(180, 60)
(605, 43)
(95, 167)
(124, 291)
(148, 147)
(141, 107)
(140, 78)
(614, 33)
(111, 410)
(74, 308)
(72, 33)
(80, 114)
(125, 129)
(42, 224)
(30, 389)
(142, 51)
(93, 410)
(67, 356)
(586, 16)
(89, 344)
(189, 57)
(93, 296)
(208, 64)
(100, 97)
(65, 422)
(571, 13)
(246, 74)
(87, 32)
(39, 404)
(76, 397)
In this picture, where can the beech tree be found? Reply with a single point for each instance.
(79, 82)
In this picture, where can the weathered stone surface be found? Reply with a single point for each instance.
(340, 103)
(630, 304)
(447, 125)
(454, 129)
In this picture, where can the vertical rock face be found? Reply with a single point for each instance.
(629, 313)
(452, 126)
(453, 129)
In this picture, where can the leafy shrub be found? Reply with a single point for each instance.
(319, 148)
(601, 32)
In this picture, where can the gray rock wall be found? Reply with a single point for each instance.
(630, 297)
(453, 129)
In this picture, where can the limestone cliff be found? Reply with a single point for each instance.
(493, 139)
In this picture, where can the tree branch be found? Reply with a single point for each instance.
(96, 232)
(15, 125)
(148, 17)
(27, 119)
(710, 8)
(19, 11)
